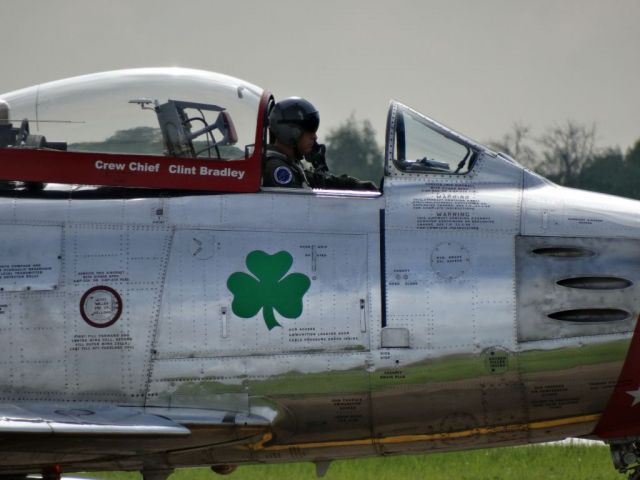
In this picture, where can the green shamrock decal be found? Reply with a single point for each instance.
(268, 290)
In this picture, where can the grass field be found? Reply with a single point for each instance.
(570, 462)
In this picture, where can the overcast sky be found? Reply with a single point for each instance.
(476, 66)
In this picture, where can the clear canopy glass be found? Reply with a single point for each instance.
(152, 111)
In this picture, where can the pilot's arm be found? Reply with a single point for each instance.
(342, 182)
(321, 178)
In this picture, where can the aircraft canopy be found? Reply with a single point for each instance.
(113, 112)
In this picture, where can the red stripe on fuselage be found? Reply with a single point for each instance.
(50, 166)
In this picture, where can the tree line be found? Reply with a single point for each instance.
(568, 154)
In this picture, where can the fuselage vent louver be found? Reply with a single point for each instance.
(595, 283)
(563, 252)
(590, 315)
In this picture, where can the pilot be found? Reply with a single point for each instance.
(293, 124)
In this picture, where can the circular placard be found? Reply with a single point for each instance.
(450, 260)
(101, 306)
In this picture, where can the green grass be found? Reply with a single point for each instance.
(572, 462)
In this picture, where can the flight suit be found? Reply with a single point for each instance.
(282, 171)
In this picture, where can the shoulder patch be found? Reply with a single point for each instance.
(283, 175)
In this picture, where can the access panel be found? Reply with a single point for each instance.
(238, 293)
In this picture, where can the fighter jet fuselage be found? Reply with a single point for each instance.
(178, 314)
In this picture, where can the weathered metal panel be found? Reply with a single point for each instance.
(559, 211)
(90, 339)
(450, 281)
(450, 277)
(199, 316)
(126, 265)
(561, 258)
(30, 257)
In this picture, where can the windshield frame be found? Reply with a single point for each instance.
(395, 142)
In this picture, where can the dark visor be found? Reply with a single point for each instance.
(309, 123)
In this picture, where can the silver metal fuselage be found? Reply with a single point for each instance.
(426, 325)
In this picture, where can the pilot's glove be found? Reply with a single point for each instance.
(356, 184)
(350, 183)
(317, 158)
(367, 185)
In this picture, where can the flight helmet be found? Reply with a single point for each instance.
(290, 118)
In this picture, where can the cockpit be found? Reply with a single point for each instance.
(180, 129)
(172, 112)
(170, 128)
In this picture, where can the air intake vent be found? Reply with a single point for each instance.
(590, 315)
(563, 252)
(596, 283)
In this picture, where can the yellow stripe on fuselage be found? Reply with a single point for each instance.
(430, 437)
